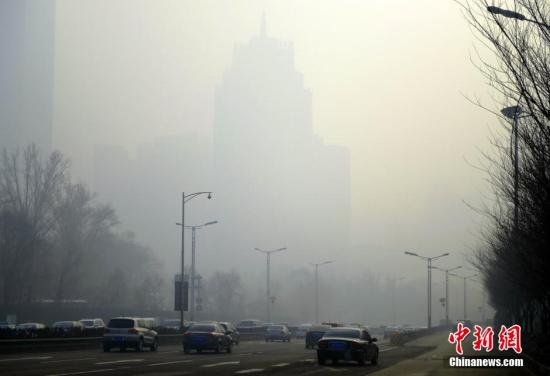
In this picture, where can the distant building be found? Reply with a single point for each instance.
(27, 42)
(277, 183)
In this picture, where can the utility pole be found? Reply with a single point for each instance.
(465, 300)
(446, 289)
(316, 265)
(184, 199)
(429, 260)
(268, 292)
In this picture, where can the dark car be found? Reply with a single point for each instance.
(277, 333)
(207, 337)
(124, 332)
(314, 334)
(232, 331)
(347, 344)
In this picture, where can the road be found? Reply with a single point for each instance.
(255, 357)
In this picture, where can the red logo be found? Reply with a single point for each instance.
(508, 338)
(457, 337)
(484, 338)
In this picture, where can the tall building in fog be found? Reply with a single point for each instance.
(277, 183)
(26, 72)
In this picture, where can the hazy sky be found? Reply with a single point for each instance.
(388, 80)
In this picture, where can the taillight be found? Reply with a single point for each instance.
(355, 345)
(211, 334)
(187, 334)
(322, 344)
(133, 331)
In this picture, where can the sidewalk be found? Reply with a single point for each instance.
(434, 362)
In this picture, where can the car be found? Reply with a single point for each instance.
(347, 343)
(277, 333)
(232, 331)
(30, 330)
(249, 325)
(314, 334)
(208, 336)
(125, 332)
(93, 327)
(171, 325)
(302, 330)
(67, 328)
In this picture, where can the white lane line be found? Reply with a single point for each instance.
(166, 363)
(83, 372)
(251, 370)
(307, 360)
(170, 352)
(388, 349)
(281, 365)
(220, 364)
(28, 358)
(67, 360)
(121, 361)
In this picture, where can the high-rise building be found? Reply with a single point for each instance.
(27, 40)
(277, 183)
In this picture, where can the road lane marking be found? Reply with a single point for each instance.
(83, 372)
(388, 349)
(121, 361)
(166, 363)
(251, 370)
(220, 364)
(307, 360)
(28, 358)
(281, 365)
(67, 360)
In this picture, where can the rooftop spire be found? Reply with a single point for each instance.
(263, 33)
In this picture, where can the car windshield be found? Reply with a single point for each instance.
(121, 323)
(202, 328)
(87, 322)
(275, 328)
(343, 333)
(64, 324)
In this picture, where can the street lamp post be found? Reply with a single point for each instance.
(429, 260)
(193, 268)
(316, 265)
(515, 15)
(446, 289)
(393, 282)
(465, 301)
(185, 198)
(268, 293)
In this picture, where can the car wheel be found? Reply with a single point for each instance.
(266, 340)
(139, 346)
(289, 340)
(199, 351)
(186, 350)
(217, 349)
(106, 348)
(334, 360)
(375, 359)
(361, 360)
(155, 345)
(320, 360)
(229, 348)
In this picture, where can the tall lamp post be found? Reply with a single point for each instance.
(193, 269)
(429, 260)
(185, 198)
(465, 301)
(268, 292)
(446, 289)
(393, 283)
(316, 265)
(515, 15)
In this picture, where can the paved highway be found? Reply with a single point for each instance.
(425, 356)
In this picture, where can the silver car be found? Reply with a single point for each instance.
(277, 333)
(125, 332)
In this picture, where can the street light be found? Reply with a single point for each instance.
(185, 198)
(317, 287)
(193, 270)
(429, 260)
(464, 278)
(268, 293)
(446, 289)
(515, 15)
(393, 282)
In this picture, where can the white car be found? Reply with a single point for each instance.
(124, 332)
